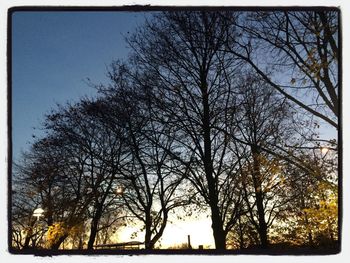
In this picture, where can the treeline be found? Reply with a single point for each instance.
(215, 110)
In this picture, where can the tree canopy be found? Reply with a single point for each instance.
(213, 110)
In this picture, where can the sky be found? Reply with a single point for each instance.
(176, 232)
(345, 6)
(53, 54)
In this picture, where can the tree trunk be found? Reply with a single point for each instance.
(241, 235)
(217, 224)
(81, 244)
(262, 223)
(57, 244)
(93, 233)
(311, 242)
(93, 230)
(262, 229)
(148, 233)
(29, 234)
(309, 233)
(27, 240)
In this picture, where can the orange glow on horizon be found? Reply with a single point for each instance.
(176, 233)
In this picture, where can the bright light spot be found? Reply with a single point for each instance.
(175, 233)
(119, 190)
(324, 150)
(199, 229)
(38, 212)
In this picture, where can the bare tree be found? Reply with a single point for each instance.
(297, 53)
(265, 119)
(96, 154)
(149, 175)
(37, 179)
(192, 80)
(208, 99)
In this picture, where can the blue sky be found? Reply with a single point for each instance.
(53, 53)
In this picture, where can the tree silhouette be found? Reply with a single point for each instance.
(208, 112)
(192, 81)
(303, 47)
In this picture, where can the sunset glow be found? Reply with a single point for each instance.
(193, 130)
